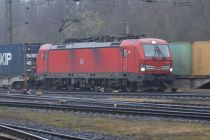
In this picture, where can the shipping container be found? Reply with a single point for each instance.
(31, 51)
(201, 58)
(181, 54)
(11, 59)
(17, 59)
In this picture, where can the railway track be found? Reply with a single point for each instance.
(145, 109)
(89, 101)
(10, 133)
(156, 95)
(140, 94)
(20, 132)
(194, 111)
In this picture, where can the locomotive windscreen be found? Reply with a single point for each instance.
(154, 50)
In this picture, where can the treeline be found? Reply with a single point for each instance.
(40, 20)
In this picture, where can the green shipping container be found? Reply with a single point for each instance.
(182, 56)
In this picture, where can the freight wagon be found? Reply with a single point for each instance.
(191, 64)
(130, 64)
(17, 64)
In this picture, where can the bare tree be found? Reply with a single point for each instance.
(173, 20)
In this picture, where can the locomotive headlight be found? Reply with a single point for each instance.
(142, 68)
(171, 69)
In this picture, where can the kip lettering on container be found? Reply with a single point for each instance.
(5, 58)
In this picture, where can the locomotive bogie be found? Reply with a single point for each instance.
(121, 82)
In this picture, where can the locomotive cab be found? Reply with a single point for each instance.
(151, 61)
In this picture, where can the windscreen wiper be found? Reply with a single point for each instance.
(158, 52)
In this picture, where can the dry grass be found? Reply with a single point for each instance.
(136, 129)
(204, 102)
(142, 100)
(186, 90)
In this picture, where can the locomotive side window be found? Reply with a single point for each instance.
(45, 55)
(125, 53)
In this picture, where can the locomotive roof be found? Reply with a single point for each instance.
(86, 45)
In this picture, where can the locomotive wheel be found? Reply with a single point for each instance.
(130, 86)
(107, 89)
(70, 88)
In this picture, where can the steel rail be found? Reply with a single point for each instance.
(141, 94)
(180, 113)
(121, 94)
(18, 134)
(60, 97)
(110, 103)
(70, 137)
(119, 103)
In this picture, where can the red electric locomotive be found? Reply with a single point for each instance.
(130, 64)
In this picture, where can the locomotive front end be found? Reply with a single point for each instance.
(156, 65)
